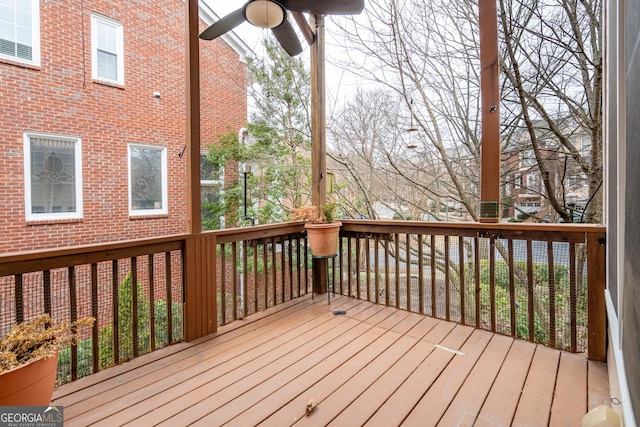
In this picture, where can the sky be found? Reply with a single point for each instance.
(340, 84)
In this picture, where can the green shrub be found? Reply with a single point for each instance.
(125, 331)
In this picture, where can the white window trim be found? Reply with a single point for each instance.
(165, 197)
(95, 19)
(35, 37)
(27, 179)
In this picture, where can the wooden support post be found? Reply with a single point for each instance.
(596, 306)
(490, 97)
(194, 220)
(200, 308)
(318, 139)
(201, 317)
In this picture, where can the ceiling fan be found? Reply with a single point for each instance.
(273, 14)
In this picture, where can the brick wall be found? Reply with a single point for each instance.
(60, 98)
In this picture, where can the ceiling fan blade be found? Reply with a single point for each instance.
(286, 35)
(325, 7)
(224, 25)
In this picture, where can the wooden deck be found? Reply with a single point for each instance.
(373, 365)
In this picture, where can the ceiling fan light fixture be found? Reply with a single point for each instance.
(265, 13)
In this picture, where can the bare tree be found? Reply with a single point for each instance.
(552, 61)
(427, 53)
(374, 165)
(411, 51)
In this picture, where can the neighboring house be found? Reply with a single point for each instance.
(524, 192)
(93, 129)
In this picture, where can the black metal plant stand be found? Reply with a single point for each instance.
(327, 257)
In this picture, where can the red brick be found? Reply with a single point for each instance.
(60, 98)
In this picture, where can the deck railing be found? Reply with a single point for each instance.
(174, 298)
(536, 282)
(97, 281)
(259, 267)
(543, 283)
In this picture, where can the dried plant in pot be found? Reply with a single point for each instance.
(322, 231)
(29, 359)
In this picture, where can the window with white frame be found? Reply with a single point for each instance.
(211, 190)
(507, 189)
(53, 177)
(107, 50)
(585, 146)
(517, 182)
(20, 31)
(147, 180)
(532, 182)
(527, 159)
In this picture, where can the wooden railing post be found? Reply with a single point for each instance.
(201, 317)
(596, 316)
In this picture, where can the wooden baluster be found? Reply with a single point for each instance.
(222, 248)
(397, 249)
(274, 271)
(168, 280)
(463, 290)
(265, 273)
(234, 281)
(476, 255)
(492, 282)
(256, 284)
(152, 302)
(290, 266)
(46, 289)
(421, 287)
(115, 290)
(245, 280)
(73, 306)
(376, 267)
(573, 297)
(512, 290)
(358, 261)
(19, 295)
(408, 263)
(367, 263)
(434, 292)
(94, 313)
(447, 287)
(552, 295)
(340, 264)
(386, 270)
(134, 305)
(530, 311)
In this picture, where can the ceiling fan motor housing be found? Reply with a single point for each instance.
(264, 13)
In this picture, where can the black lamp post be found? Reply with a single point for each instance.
(246, 172)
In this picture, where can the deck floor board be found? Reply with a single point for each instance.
(374, 365)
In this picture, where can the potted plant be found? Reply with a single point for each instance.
(29, 359)
(322, 231)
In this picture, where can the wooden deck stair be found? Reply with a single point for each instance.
(373, 366)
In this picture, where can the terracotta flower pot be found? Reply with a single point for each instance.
(29, 385)
(323, 238)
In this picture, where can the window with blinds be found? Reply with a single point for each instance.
(107, 50)
(20, 30)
